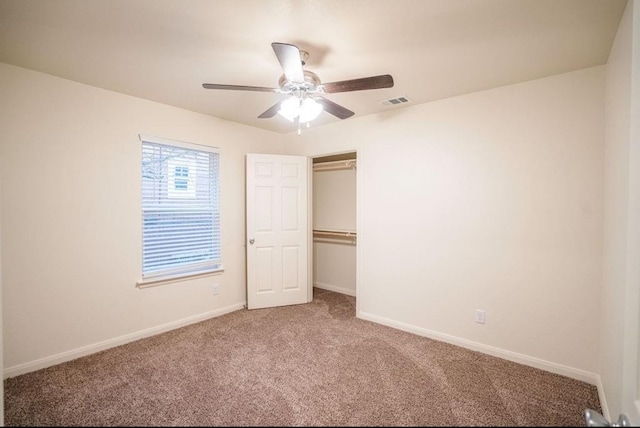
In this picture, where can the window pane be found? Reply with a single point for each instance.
(180, 212)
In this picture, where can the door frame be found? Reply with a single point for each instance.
(309, 229)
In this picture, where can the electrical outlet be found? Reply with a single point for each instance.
(479, 316)
(216, 288)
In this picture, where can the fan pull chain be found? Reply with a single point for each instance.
(300, 96)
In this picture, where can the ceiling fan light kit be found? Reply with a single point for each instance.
(306, 102)
(305, 110)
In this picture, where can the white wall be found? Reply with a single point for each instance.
(491, 200)
(621, 268)
(71, 221)
(334, 266)
(334, 199)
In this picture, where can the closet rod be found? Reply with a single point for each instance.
(331, 235)
(334, 233)
(325, 166)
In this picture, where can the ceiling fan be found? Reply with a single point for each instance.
(306, 89)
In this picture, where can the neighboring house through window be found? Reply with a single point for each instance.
(182, 177)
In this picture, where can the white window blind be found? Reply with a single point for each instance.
(180, 208)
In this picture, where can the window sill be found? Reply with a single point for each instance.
(169, 279)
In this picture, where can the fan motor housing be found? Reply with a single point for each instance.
(311, 83)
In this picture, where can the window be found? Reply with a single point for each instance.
(180, 209)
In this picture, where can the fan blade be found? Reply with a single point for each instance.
(289, 58)
(239, 87)
(335, 109)
(374, 82)
(270, 112)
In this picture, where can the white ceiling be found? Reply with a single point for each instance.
(163, 50)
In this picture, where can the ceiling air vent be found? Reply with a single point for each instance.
(395, 101)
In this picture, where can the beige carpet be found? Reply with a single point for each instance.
(305, 365)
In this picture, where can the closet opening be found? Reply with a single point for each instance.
(334, 223)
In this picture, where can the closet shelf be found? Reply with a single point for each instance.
(330, 166)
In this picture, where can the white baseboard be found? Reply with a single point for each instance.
(340, 290)
(538, 363)
(111, 343)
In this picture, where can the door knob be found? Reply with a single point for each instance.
(251, 241)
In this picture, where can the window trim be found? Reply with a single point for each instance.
(177, 143)
(167, 278)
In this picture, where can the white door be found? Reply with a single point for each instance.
(277, 231)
